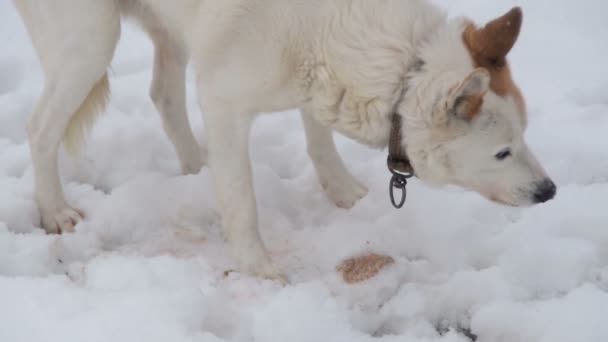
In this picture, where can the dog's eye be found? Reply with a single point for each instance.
(504, 154)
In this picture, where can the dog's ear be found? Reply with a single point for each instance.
(490, 44)
(466, 99)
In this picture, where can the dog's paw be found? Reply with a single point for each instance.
(63, 220)
(193, 164)
(271, 272)
(257, 263)
(344, 192)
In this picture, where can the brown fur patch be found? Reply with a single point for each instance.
(489, 46)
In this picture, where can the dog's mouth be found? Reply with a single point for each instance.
(494, 198)
(503, 202)
(511, 203)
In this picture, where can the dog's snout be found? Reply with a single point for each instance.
(545, 191)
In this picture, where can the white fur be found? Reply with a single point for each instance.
(345, 63)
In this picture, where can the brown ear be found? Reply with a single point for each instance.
(490, 44)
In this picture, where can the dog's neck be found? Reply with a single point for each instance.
(363, 73)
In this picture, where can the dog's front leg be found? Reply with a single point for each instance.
(339, 184)
(230, 165)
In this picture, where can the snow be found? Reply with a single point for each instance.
(148, 263)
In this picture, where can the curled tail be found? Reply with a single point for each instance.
(83, 119)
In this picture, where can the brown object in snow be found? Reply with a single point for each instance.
(361, 268)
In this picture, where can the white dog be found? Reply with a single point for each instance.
(349, 65)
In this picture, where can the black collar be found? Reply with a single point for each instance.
(398, 162)
(397, 156)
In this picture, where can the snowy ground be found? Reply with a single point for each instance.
(148, 263)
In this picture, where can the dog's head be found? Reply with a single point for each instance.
(466, 117)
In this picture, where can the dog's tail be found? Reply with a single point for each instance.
(83, 119)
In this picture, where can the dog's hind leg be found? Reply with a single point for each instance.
(168, 92)
(339, 184)
(75, 41)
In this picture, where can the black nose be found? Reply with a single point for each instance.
(545, 191)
